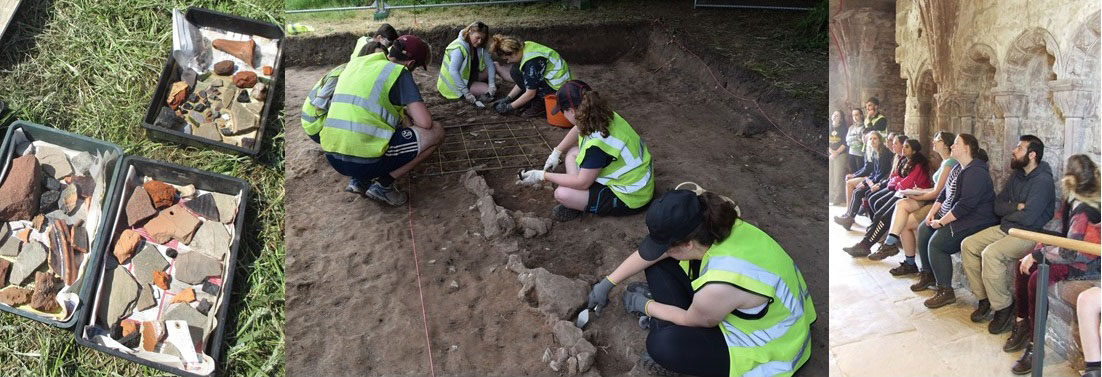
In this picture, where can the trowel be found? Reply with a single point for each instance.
(583, 319)
(479, 104)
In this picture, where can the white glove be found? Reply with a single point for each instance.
(531, 177)
(552, 160)
(491, 90)
(469, 97)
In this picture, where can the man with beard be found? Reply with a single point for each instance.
(1026, 202)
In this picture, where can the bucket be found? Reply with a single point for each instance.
(557, 120)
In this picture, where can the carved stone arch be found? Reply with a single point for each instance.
(981, 63)
(1081, 59)
(1029, 44)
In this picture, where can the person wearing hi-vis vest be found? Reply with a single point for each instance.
(384, 37)
(467, 71)
(363, 136)
(608, 168)
(721, 297)
(537, 71)
(317, 103)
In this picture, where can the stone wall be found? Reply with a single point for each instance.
(1001, 70)
(862, 64)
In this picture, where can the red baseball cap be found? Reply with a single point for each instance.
(414, 48)
(570, 95)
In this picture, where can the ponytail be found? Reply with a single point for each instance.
(593, 114)
(718, 215)
(501, 45)
(974, 146)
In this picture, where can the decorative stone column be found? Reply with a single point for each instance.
(1011, 106)
(1076, 101)
(967, 115)
(913, 120)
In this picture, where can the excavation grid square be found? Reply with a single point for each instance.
(511, 144)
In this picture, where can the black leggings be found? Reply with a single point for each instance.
(880, 223)
(859, 193)
(697, 351)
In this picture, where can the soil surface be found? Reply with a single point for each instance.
(353, 303)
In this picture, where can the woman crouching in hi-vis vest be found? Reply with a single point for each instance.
(722, 298)
(460, 75)
(537, 71)
(317, 101)
(363, 136)
(608, 168)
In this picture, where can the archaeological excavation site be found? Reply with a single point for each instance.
(472, 276)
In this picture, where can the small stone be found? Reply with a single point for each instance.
(54, 162)
(171, 253)
(203, 307)
(85, 185)
(243, 96)
(5, 268)
(225, 131)
(267, 70)
(32, 256)
(216, 83)
(38, 222)
(193, 98)
(152, 332)
(20, 190)
(196, 321)
(161, 279)
(208, 131)
(197, 117)
(79, 237)
(212, 239)
(51, 183)
(139, 207)
(160, 193)
(227, 207)
(24, 235)
(260, 92)
(203, 205)
(176, 94)
(187, 106)
(187, 191)
(70, 198)
(244, 79)
(82, 163)
(453, 285)
(129, 326)
(146, 262)
(15, 296)
(247, 142)
(145, 298)
(9, 247)
(44, 297)
(200, 107)
(210, 288)
(193, 268)
(48, 201)
(223, 68)
(122, 295)
(126, 245)
(168, 119)
(185, 296)
(173, 222)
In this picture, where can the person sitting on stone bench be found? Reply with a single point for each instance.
(878, 164)
(877, 200)
(909, 211)
(964, 207)
(914, 175)
(1089, 311)
(1079, 216)
(1025, 202)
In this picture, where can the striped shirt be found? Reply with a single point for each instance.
(951, 185)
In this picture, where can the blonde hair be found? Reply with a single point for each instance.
(593, 114)
(869, 151)
(501, 45)
(476, 27)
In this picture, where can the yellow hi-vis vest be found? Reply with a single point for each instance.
(360, 43)
(317, 102)
(779, 342)
(557, 73)
(361, 118)
(446, 84)
(629, 176)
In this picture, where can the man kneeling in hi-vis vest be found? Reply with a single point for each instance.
(608, 168)
(363, 136)
(722, 298)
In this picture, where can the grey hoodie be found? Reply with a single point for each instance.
(1036, 189)
(457, 64)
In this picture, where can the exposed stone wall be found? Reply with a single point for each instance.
(1001, 70)
(862, 64)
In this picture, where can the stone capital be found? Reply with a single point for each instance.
(1010, 103)
(1074, 97)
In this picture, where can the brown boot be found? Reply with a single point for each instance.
(1019, 337)
(904, 269)
(944, 296)
(925, 280)
(1024, 365)
(884, 252)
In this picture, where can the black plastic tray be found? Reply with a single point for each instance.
(178, 175)
(171, 73)
(76, 142)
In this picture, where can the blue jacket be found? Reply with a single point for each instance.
(878, 168)
(973, 203)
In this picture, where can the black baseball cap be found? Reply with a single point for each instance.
(569, 95)
(671, 217)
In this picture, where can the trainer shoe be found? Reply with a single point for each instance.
(356, 186)
(562, 214)
(389, 195)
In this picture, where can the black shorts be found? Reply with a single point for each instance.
(603, 202)
(403, 148)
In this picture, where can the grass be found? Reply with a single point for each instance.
(90, 67)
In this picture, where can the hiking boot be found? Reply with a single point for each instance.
(562, 214)
(653, 368)
(389, 195)
(1003, 321)
(884, 251)
(857, 251)
(1024, 365)
(1019, 337)
(356, 186)
(845, 221)
(925, 280)
(944, 296)
(981, 312)
(904, 269)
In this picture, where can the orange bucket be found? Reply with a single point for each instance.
(557, 120)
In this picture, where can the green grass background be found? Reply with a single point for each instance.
(90, 67)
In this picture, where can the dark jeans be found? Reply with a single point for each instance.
(935, 247)
(697, 351)
(1025, 288)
